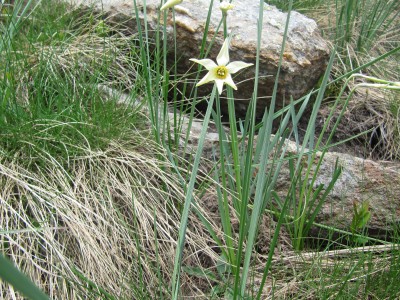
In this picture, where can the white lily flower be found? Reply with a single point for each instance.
(221, 73)
(170, 3)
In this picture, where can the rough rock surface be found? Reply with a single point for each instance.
(305, 54)
(361, 180)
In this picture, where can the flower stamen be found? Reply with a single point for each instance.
(221, 72)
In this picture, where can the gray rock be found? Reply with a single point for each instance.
(305, 55)
(361, 180)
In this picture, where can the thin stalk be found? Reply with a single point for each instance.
(248, 174)
(260, 196)
(144, 53)
(309, 136)
(202, 53)
(224, 206)
(188, 201)
(234, 144)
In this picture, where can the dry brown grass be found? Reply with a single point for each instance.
(375, 111)
(110, 214)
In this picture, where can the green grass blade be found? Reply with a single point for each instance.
(249, 154)
(10, 274)
(188, 200)
(261, 185)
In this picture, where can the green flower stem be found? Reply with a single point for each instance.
(263, 183)
(224, 206)
(144, 54)
(188, 200)
(234, 144)
(224, 17)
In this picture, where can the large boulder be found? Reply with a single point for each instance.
(304, 60)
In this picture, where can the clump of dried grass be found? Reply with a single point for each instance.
(377, 111)
(372, 116)
(111, 215)
(92, 220)
(372, 111)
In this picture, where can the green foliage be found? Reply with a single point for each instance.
(305, 202)
(384, 283)
(59, 117)
(354, 275)
(363, 21)
(299, 5)
(361, 216)
(9, 273)
(49, 107)
(61, 112)
(13, 16)
(55, 24)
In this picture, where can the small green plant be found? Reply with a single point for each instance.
(305, 202)
(361, 216)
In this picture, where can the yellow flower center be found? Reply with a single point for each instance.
(221, 72)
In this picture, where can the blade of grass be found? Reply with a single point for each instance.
(10, 274)
(188, 201)
(243, 219)
(261, 178)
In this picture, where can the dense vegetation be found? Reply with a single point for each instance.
(102, 195)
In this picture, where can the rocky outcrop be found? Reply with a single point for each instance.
(361, 180)
(304, 59)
